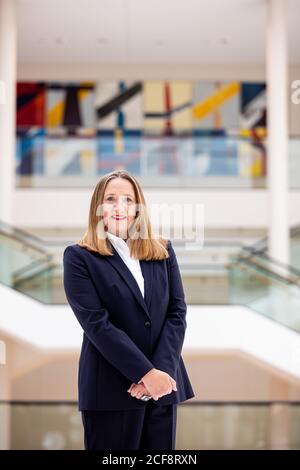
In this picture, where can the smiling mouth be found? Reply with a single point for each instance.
(118, 217)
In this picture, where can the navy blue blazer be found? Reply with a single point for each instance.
(124, 334)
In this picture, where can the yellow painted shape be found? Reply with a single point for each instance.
(212, 102)
(261, 132)
(54, 116)
(119, 141)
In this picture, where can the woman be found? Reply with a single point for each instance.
(124, 286)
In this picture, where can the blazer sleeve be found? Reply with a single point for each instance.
(113, 343)
(167, 352)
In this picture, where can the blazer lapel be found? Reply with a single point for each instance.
(147, 270)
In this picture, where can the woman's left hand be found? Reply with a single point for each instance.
(138, 390)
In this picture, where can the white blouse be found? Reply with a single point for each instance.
(133, 264)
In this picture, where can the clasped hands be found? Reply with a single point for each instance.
(155, 383)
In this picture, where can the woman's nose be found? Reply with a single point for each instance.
(121, 205)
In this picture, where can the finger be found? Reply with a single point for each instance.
(174, 386)
(137, 392)
(131, 387)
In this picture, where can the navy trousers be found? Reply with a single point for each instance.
(149, 428)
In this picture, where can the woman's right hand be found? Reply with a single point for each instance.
(159, 383)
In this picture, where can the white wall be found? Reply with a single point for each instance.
(222, 208)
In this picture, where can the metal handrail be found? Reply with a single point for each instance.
(288, 267)
(269, 272)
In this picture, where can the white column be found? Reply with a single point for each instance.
(277, 111)
(8, 66)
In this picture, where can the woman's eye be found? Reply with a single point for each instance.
(110, 198)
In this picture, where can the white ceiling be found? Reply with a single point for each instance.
(148, 31)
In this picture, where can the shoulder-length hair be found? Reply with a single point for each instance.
(143, 243)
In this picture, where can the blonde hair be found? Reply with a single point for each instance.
(151, 247)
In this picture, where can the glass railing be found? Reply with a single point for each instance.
(41, 276)
(182, 160)
(200, 425)
(295, 247)
(261, 246)
(231, 273)
(19, 256)
(46, 286)
(24, 263)
(204, 270)
(267, 287)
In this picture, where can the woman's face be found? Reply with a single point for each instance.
(119, 206)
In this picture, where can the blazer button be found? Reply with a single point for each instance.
(147, 324)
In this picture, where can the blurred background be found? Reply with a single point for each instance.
(200, 100)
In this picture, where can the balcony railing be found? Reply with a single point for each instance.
(200, 425)
(218, 161)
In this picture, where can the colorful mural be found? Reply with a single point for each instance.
(154, 128)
